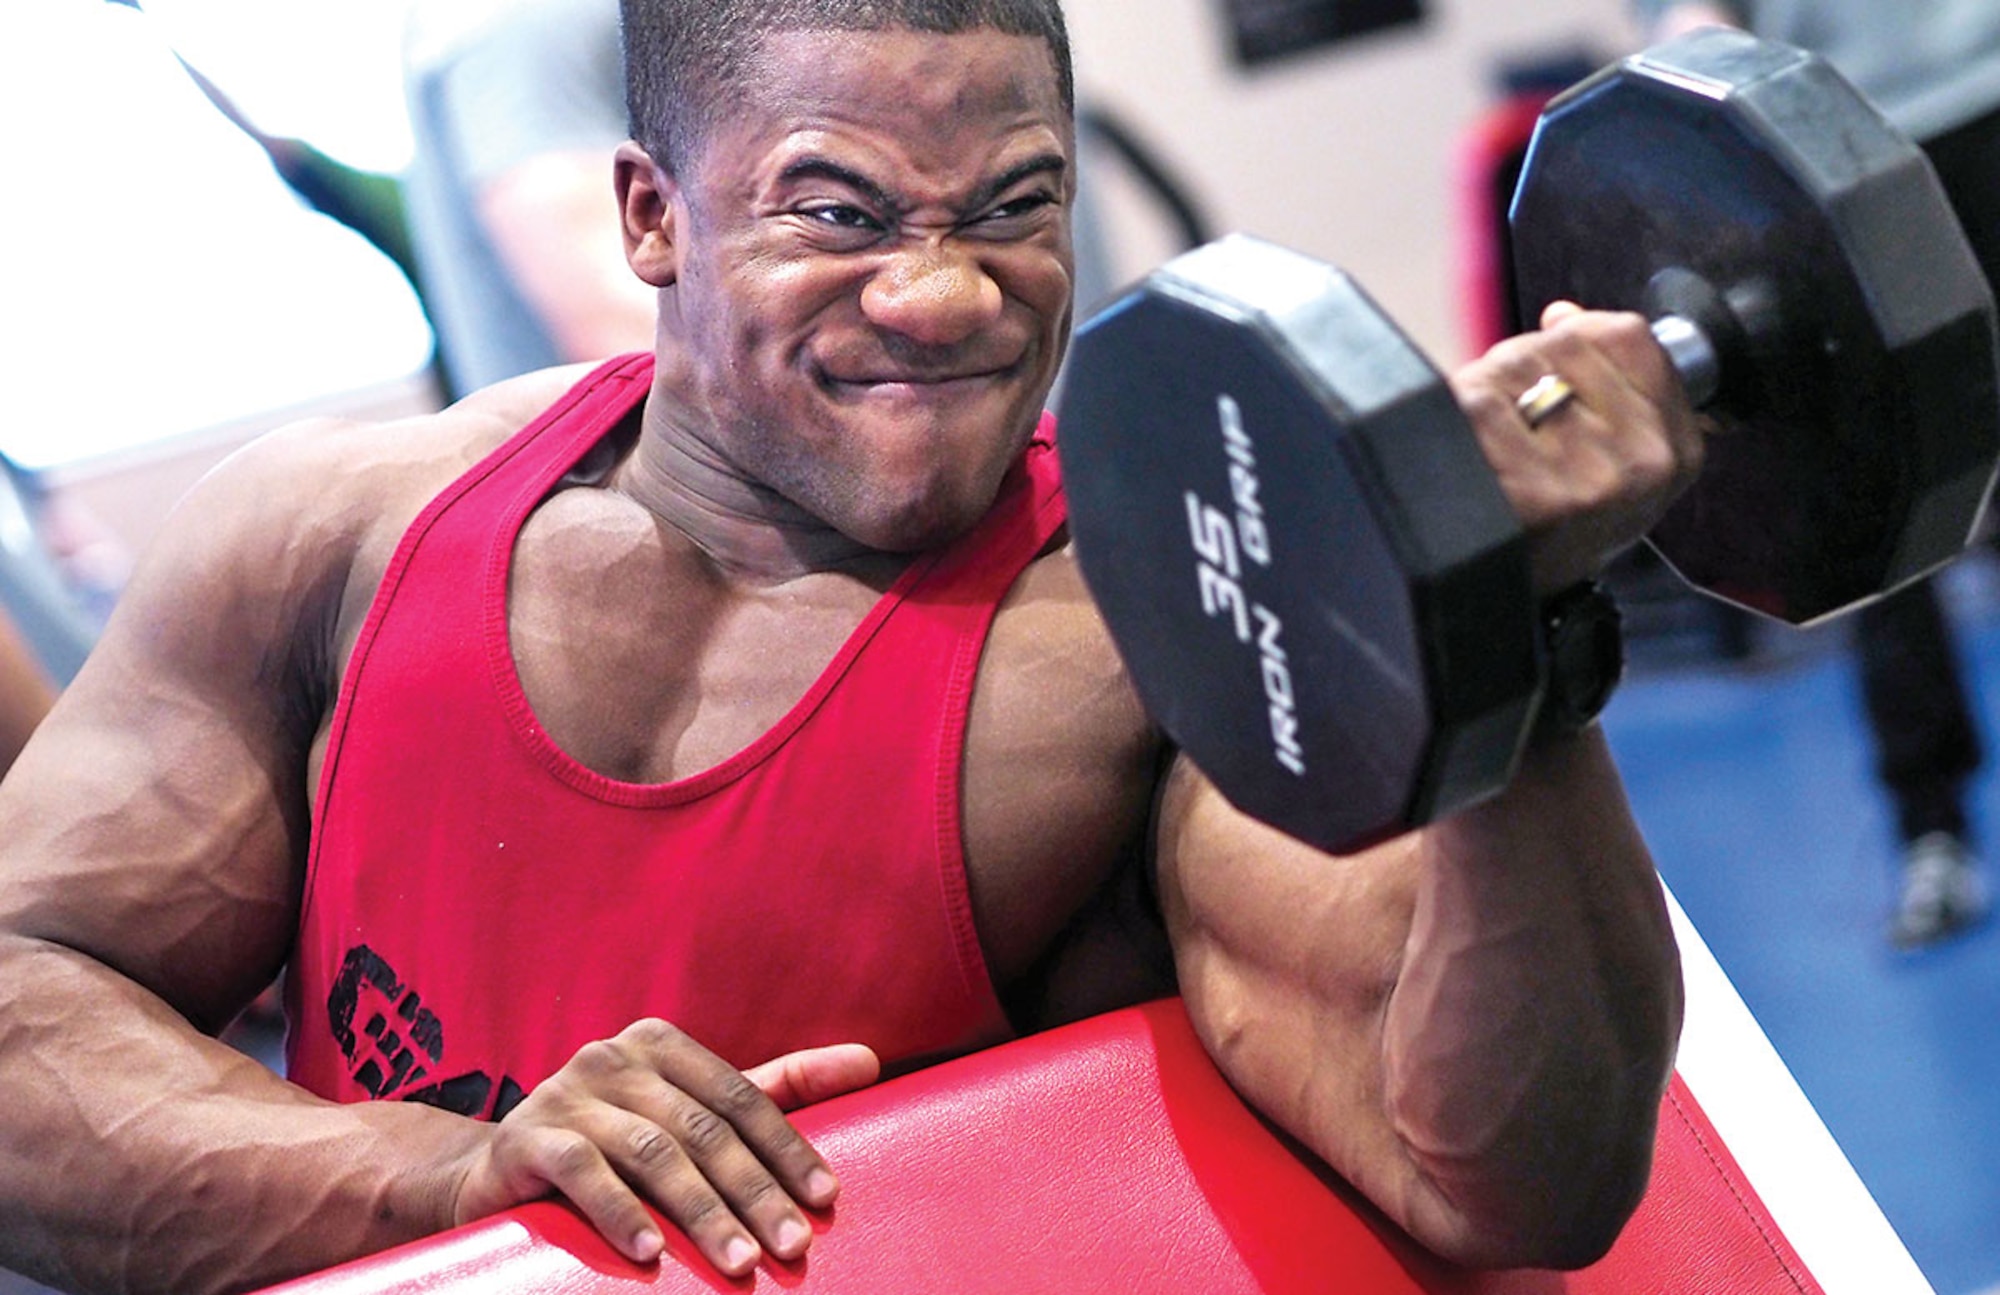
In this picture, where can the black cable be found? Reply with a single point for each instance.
(1150, 170)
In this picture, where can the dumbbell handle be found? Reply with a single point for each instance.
(1693, 354)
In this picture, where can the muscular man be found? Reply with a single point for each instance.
(602, 736)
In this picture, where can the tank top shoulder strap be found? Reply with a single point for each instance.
(1028, 514)
(539, 453)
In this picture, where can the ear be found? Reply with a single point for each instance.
(646, 195)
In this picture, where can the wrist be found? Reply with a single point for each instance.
(424, 1188)
(1582, 651)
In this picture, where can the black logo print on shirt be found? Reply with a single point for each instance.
(392, 1042)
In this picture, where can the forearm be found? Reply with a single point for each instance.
(137, 1154)
(1531, 1028)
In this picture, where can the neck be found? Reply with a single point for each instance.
(747, 529)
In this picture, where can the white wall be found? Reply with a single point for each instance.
(1346, 153)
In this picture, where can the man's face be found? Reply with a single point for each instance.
(873, 275)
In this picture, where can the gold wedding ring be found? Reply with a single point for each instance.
(1540, 402)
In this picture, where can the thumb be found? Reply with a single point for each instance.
(1557, 311)
(815, 1074)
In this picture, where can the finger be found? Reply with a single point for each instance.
(1631, 415)
(1590, 476)
(735, 1133)
(815, 1074)
(722, 1172)
(1557, 311)
(1620, 374)
(570, 1164)
(1609, 354)
(704, 1182)
(1650, 391)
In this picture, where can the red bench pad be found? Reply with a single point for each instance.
(1107, 1156)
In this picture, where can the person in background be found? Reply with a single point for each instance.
(1933, 68)
(515, 108)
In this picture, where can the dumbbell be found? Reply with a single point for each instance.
(1307, 563)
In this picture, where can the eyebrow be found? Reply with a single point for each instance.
(821, 168)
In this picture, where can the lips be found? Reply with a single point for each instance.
(914, 377)
(911, 385)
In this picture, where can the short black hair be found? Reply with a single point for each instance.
(685, 60)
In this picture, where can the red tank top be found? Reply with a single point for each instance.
(478, 905)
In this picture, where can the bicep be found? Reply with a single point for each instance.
(1471, 1022)
(1286, 959)
(156, 822)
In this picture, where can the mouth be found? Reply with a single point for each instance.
(872, 374)
(894, 384)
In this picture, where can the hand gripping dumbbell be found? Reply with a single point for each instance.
(1306, 561)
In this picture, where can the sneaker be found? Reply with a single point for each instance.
(1941, 892)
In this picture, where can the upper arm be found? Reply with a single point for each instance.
(157, 821)
(1286, 958)
(1473, 1022)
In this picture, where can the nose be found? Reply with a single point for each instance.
(932, 293)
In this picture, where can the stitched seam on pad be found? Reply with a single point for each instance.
(1753, 1213)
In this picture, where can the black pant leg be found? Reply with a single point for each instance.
(1926, 743)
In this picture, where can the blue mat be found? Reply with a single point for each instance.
(1754, 786)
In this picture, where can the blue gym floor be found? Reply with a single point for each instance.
(1753, 783)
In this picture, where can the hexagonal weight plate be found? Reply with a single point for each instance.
(1859, 406)
(1306, 562)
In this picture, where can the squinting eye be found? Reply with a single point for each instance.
(842, 216)
(1020, 207)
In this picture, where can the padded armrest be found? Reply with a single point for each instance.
(1106, 1156)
